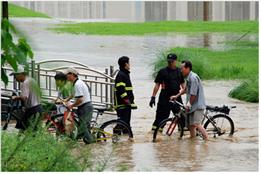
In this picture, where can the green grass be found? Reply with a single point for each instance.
(37, 151)
(157, 27)
(247, 91)
(240, 62)
(220, 65)
(17, 11)
(242, 44)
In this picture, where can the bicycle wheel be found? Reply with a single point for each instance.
(11, 118)
(114, 130)
(54, 124)
(169, 129)
(220, 124)
(4, 120)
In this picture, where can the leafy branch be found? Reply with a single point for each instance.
(13, 53)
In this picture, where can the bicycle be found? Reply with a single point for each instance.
(167, 128)
(101, 133)
(12, 111)
(211, 123)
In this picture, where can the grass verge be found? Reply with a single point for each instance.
(240, 62)
(17, 11)
(247, 91)
(103, 28)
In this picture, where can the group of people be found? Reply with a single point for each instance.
(69, 85)
(172, 80)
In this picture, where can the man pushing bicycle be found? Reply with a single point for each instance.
(195, 103)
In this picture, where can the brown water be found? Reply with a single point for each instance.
(239, 153)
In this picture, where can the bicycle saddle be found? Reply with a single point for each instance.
(224, 109)
(101, 110)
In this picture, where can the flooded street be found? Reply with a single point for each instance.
(239, 153)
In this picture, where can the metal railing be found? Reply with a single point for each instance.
(101, 84)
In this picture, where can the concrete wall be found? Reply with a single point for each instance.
(156, 11)
(177, 10)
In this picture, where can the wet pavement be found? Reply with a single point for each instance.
(239, 153)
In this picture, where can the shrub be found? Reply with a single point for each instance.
(37, 151)
(246, 91)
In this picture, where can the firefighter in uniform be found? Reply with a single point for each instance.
(171, 81)
(124, 98)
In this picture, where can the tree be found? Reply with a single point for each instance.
(5, 9)
(206, 11)
(12, 53)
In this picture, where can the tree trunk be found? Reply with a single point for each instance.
(205, 11)
(4, 10)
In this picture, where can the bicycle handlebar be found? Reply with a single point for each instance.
(176, 102)
(64, 103)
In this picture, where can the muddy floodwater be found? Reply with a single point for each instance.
(238, 153)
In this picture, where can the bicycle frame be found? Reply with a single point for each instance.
(94, 126)
(208, 118)
(205, 115)
(49, 118)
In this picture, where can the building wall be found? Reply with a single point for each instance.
(156, 11)
(138, 11)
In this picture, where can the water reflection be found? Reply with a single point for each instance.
(183, 155)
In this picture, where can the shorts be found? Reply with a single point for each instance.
(195, 117)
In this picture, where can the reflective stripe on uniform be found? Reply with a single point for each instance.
(154, 127)
(133, 105)
(128, 88)
(120, 84)
(123, 95)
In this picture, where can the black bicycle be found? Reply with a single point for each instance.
(218, 124)
(11, 109)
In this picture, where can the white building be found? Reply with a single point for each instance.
(139, 11)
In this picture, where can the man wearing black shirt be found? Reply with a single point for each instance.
(171, 82)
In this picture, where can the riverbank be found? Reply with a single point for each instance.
(239, 61)
(103, 28)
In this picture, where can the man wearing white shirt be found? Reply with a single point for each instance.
(83, 102)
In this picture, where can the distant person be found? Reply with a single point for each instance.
(195, 103)
(83, 103)
(171, 81)
(65, 91)
(124, 98)
(65, 88)
(30, 96)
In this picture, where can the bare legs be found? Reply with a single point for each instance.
(192, 129)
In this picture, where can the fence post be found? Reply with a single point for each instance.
(106, 87)
(38, 74)
(14, 83)
(33, 69)
(111, 71)
(111, 86)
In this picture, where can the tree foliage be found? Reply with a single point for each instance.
(13, 52)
